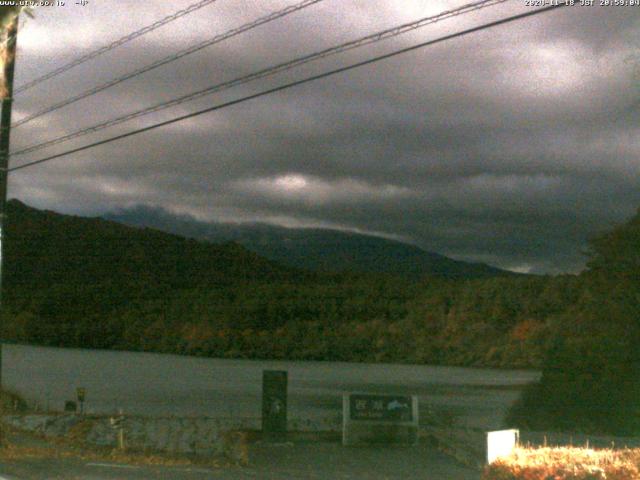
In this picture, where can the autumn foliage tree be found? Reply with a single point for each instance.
(591, 377)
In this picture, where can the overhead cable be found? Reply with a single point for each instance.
(121, 41)
(170, 58)
(263, 93)
(270, 71)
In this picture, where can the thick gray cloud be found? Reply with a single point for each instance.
(511, 146)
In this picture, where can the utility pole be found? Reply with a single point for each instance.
(5, 132)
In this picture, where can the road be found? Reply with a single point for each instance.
(300, 461)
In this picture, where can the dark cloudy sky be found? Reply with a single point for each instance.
(511, 146)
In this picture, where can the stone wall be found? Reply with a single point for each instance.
(192, 435)
(200, 436)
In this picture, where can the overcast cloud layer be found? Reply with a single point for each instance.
(512, 146)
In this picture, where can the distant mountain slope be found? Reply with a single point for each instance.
(311, 248)
(91, 283)
(45, 250)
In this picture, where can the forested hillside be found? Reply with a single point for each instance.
(81, 282)
(591, 376)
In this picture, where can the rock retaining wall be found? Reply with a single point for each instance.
(200, 436)
(192, 435)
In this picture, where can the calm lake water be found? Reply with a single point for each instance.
(157, 384)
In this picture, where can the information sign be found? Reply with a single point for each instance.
(381, 407)
(381, 419)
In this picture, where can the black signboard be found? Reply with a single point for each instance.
(392, 408)
(274, 403)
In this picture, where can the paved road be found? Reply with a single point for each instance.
(302, 461)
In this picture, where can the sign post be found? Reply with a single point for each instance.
(379, 419)
(274, 405)
(117, 423)
(81, 394)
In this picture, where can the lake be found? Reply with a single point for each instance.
(159, 384)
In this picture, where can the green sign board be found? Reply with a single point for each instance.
(379, 419)
(389, 408)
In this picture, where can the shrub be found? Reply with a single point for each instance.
(566, 464)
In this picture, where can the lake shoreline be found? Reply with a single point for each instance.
(270, 359)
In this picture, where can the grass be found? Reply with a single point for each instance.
(22, 452)
(566, 463)
(20, 445)
(12, 402)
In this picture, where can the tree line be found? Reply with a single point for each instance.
(78, 282)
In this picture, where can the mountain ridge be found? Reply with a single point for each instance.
(314, 249)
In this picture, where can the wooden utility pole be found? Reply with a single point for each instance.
(5, 132)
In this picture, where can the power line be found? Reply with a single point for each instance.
(296, 83)
(121, 41)
(367, 40)
(170, 58)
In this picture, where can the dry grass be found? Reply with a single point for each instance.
(12, 402)
(19, 445)
(566, 464)
(21, 452)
